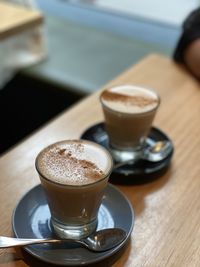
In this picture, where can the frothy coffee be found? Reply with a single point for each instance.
(130, 99)
(74, 175)
(129, 112)
(73, 162)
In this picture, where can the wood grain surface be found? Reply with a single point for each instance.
(15, 19)
(167, 226)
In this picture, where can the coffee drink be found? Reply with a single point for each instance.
(129, 112)
(74, 174)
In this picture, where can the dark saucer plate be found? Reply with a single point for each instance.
(140, 172)
(31, 219)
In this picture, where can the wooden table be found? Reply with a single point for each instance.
(16, 19)
(167, 226)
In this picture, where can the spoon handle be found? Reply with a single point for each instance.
(7, 242)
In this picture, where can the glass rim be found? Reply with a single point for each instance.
(128, 113)
(106, 174)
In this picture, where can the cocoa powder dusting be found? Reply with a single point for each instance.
(61, 151)
(140, 101)
(88, 168)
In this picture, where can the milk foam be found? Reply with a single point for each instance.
(74, 162)
(130, 99)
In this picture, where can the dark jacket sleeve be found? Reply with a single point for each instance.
(190, 32)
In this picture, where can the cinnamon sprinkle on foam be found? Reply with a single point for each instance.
(140, 101)
(64, 165)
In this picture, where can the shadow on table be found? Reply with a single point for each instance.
(34, 262)
(9, 256)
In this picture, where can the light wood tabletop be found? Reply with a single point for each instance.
(167, 210)
(15, 19)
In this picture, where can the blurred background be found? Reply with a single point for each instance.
(86, 44)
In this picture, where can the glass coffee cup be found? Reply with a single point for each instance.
(74, 175)
(129, 112)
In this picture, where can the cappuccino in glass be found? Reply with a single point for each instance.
(129, 112)
(74, 174)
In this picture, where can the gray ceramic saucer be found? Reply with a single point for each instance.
(31, 219)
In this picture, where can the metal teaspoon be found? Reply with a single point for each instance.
(99, 241)
(155, 153)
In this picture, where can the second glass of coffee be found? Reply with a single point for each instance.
(74, 174)
(129, 112)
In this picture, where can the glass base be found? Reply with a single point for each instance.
(123, 155)
(73, 232)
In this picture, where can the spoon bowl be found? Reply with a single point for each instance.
(100, 241)
(159, 151)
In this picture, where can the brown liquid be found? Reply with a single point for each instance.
(128, 116)
(74, 185)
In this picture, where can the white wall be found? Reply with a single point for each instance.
(169, 11)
